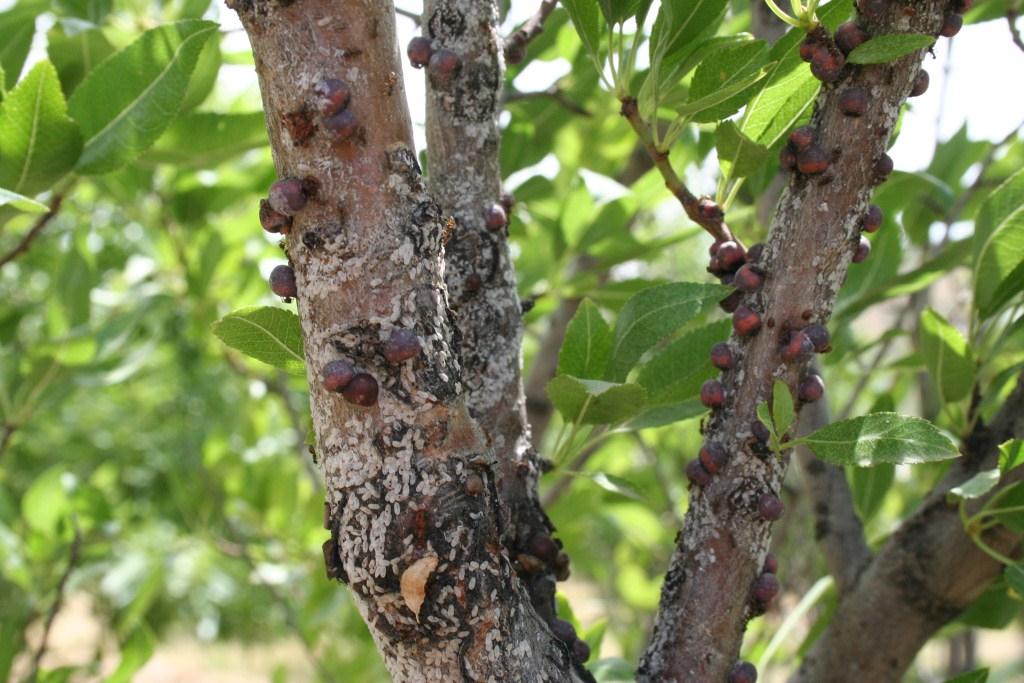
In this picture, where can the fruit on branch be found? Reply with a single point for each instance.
(811, 46)
(760, 431)
(811, 388)
(722, 356)
(580, 650)
(730, 303)
(337, 375)
(342, 125)
(951, 25)
(730, 256)
(818, 334)
(696, 473)
(812, 161)
(853, 101)
(529, 563)
(883, 167)
(827, 66)
(287, 196)
(419, 51)
(848, 36)
(746, 321)
(920, 85)
(748, 278)
(544, 547)
(712, 394)
(508, 202)
(862, 251)
(770, 507)
(401, 345)
(766, 587)
(282, 282)
(564, 631)
(444, 65)
(798, 348)
(743, 672)
(771, 564)
(755, 252)
(495, 217)
(562, 566)
(713, 457)
(361, 391)
(331, 96)
(787, 157)
(709, 210)
(872, 219)
(803, 137)
(273, 221)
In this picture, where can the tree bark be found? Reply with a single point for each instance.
(404, 506)
(704, 603)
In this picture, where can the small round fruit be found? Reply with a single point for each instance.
(287, 196)
(273, 221)
(402, 345)
(787, 157)
(580, 650)
(853, 101)
(722, 356)
(709, 209)
(848, 36)
(818, 334)
(730, 303)
(748, 278)
(951, 25)
(730, 256)
(564, 631)
(444, 65)
(696, 473)
(810, 48)
(771, 564)
(883, 167)
(744, 672)
(337, 374)
(803, 137)
(332, 95)
(798, 348)
(712, 393)
(282, 282)
(508, 202)
(920, 85)
(770, 507)
(812, 161)
(361, 391)
(495, 217)
(419, 51)
(811, 388)
(544, 547)
(827, 67)
(760, 431)
(872, 220)
(766, 587)
(713, 457)
(863, 250)
(746, 321)
(342, 125)
(755, 252)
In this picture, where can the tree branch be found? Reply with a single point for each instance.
(554, 93)
(1011, 21)
(704, 603)
(58, 602)
(515, 44)
(33, 232)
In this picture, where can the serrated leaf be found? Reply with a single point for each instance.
(1011, 455)
(38, 142)
(978, 676)
(614, 484)
(998, 242)
(595, 402)
(205, 139)
(719, 84)
(675, 374)
(21, 202)
(888, 47)
(586, 18)
(978, 485)
(268, 334)
(783, 413)
(126, 102)
(654, 313)
(880, 437)
(738, 155)
(587, 344)
(949, 360)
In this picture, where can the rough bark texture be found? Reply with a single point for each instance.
(704, 607)
(928, 572)
(367, 253)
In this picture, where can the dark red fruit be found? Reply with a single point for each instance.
(730, 256)
(849, 36)
(748, 278)
(580, 650)
(766, 587)
(803, 137)
(798, 348)
(760, 431)
(273, 221)
(337, 374)
(755, 252)
(810, 389)
(771, 564)
(809, 47)
(722, 356)
(342, 125)
(713, 248)
(508, 202)
(444, 65)
(696, 473)
(712, 393)
(419, 51)
(515, 52)
(818, 334)
(564, 631)
(495, 217)
(744, 672)
(746, 321)
(709, 210)
(853, 101)
(920, 85)
(770, 507)
(362, 390)
(883, 167)
(872, 220)
(282, 282)
(827, 66)
(402, 345)
(287, 196)
(812, 161)
(787, 157)
(863, 250)
(951, 25)
(731, 302)
(713, 457)
(332, 95)
(544, 547)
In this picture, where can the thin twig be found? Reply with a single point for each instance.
(515, 44)
(5, 439)
(58, 602)
(713, 224)
(553, 92)
(559, 488)
(1011, 20)
(410, 15)
(34, 231)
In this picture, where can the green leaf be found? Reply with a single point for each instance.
(654, 313)
(998, 241)
(586, 17)
(126, 102)
(676, 373)
(1014, 575)
(661, 415)
(1011, 455)
(1011, 286)
(680, 23)
(38, 142)
(978, 676)
(587, 344)
(17, 26)
(134, 654)
(978, 485)
(949, 360)
(76, 53)
(21, 202)
(738, 155)
(205, 139)
(595, 402)
(880, 437)
(869, 486)
(615, 484)
(46, 502)
(783, 413)
(888, 47)
(718, 86)
(269, 334)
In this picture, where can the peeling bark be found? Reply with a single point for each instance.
(411, 477)
(704, 603)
